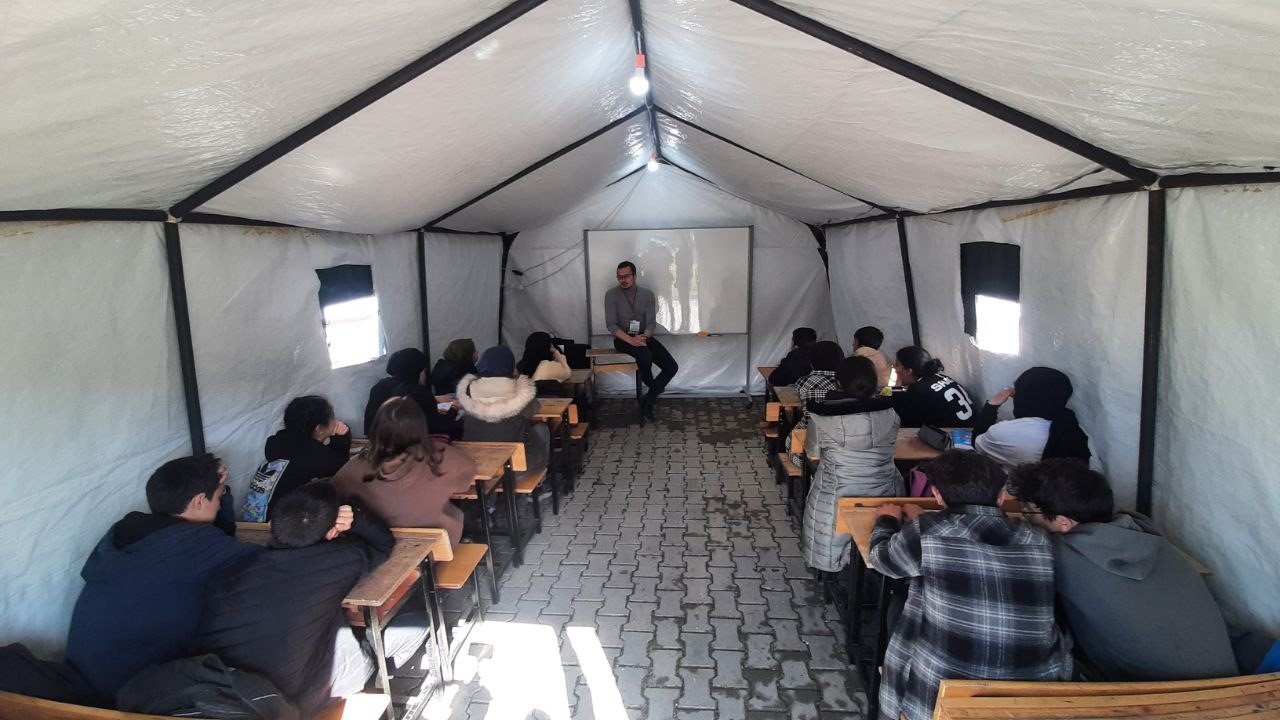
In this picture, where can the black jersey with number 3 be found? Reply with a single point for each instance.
(935, 400)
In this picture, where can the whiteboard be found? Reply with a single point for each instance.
(700, 276)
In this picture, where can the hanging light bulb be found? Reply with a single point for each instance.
(639, 83)
(653, 162)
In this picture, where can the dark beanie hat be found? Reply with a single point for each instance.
(406, 364)
(497, 361)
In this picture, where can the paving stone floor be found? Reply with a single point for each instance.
(671, 585)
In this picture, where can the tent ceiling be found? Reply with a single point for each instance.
(1169, 84)
(137, 103)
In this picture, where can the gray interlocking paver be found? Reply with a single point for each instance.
(676, 562)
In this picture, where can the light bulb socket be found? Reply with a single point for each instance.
(640, 60)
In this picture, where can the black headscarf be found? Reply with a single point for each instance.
(537, 347)
(1043, 392)
(826, 355)
(407, 365)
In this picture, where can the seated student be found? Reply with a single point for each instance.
(980, 604)
(408, 377)
(854, 432)
(866, 343)
(279, 613)
(814, 385)
(1136, 607)
(145, 581)
(1044, 426)
(545, 364)
(459, 360)
(404, 476)
(500, 406)
(796, 363)
(315, 443)
(931, 398)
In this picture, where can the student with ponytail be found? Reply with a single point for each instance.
(1043, 428)
(930, 398)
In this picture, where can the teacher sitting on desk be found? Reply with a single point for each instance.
(631, 313)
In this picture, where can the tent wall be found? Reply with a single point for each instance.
(867, 286)
(464, 277)
(551, 294)
(1083, 277)
(1216, 451)
(90, 404)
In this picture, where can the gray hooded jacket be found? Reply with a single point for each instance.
(1137, 608)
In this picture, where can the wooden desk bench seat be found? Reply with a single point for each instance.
(528, 485)
(455, 573)
(361, 706)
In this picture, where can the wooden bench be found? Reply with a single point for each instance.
(608, 360)
(20, 707)
(1250, 696)
(527, 485)
(454, 575)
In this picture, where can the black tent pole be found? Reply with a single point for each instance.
(951, 89)
(507, 240)
(422, 293)
(379, 90)
(182, 323)
(906, 278)
(1152, 327)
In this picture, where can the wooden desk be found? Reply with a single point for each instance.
(910, 449)
(610, 360)
(559, 414)
(497, 462)
(552, 409)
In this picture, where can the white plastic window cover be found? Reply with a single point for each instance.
(837, 118)
(1083, 279)
(1216, 454)
(464, 279)
(549, 191)
(754, 179)
(867, 283)
(90, 405)
(258, 333)
(790, 288)
(1166, 83)
(555, 75)
(135, 103)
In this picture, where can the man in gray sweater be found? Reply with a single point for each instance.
(1136, 606)
(631, 315)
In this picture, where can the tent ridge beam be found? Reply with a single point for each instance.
(379, 90)
(950, 88)
(539, 165)
(637, 27)
(766, 158)
(84, 214)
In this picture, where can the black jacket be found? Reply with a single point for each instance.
(438, 423)
(308, 459)
(446, 374)
(278, 613)
(793, 367)
(935, 400)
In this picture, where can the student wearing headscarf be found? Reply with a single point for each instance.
(459, 359)
(408, 377)
(1043, 426)
(499, 406)
(545, 364)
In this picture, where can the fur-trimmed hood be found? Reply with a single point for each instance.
(495, 398)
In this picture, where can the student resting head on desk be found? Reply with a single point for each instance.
(1137, 608)
(981, 601)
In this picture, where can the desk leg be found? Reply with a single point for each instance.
(882, 645)
(380, 656)
(435, 615)
(513, 515)
(639, 396)
(568, 474)
(856, 573)
(488, 536)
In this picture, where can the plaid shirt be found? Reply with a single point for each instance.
(980, 605)
(812, 387)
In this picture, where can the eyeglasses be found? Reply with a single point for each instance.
(627, 275)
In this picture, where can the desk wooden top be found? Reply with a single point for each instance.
(766, 371)
(579, 377)
(413, 547)
(491, 457)
(788, 397)
(911, 449)
(552, 408)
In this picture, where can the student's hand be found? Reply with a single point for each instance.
(890, 510)
(337, 427)
(556, 354)
(912, 511)
(999, 398)
(345, 516)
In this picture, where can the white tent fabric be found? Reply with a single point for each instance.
(1172, 84)
(1216, 452)
(464, 280)
(90, 404)
(139, 103)
(754, 179)
(557, 75)
(867, 286)
(257, 330)
(851, 125)
(1083, 266)
(551, 294)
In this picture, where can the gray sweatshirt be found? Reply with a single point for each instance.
(1137, 608)
(619, 310)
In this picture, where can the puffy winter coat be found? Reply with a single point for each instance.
(500, 409)
(855, 440)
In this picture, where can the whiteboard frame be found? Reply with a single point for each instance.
(751, 282)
